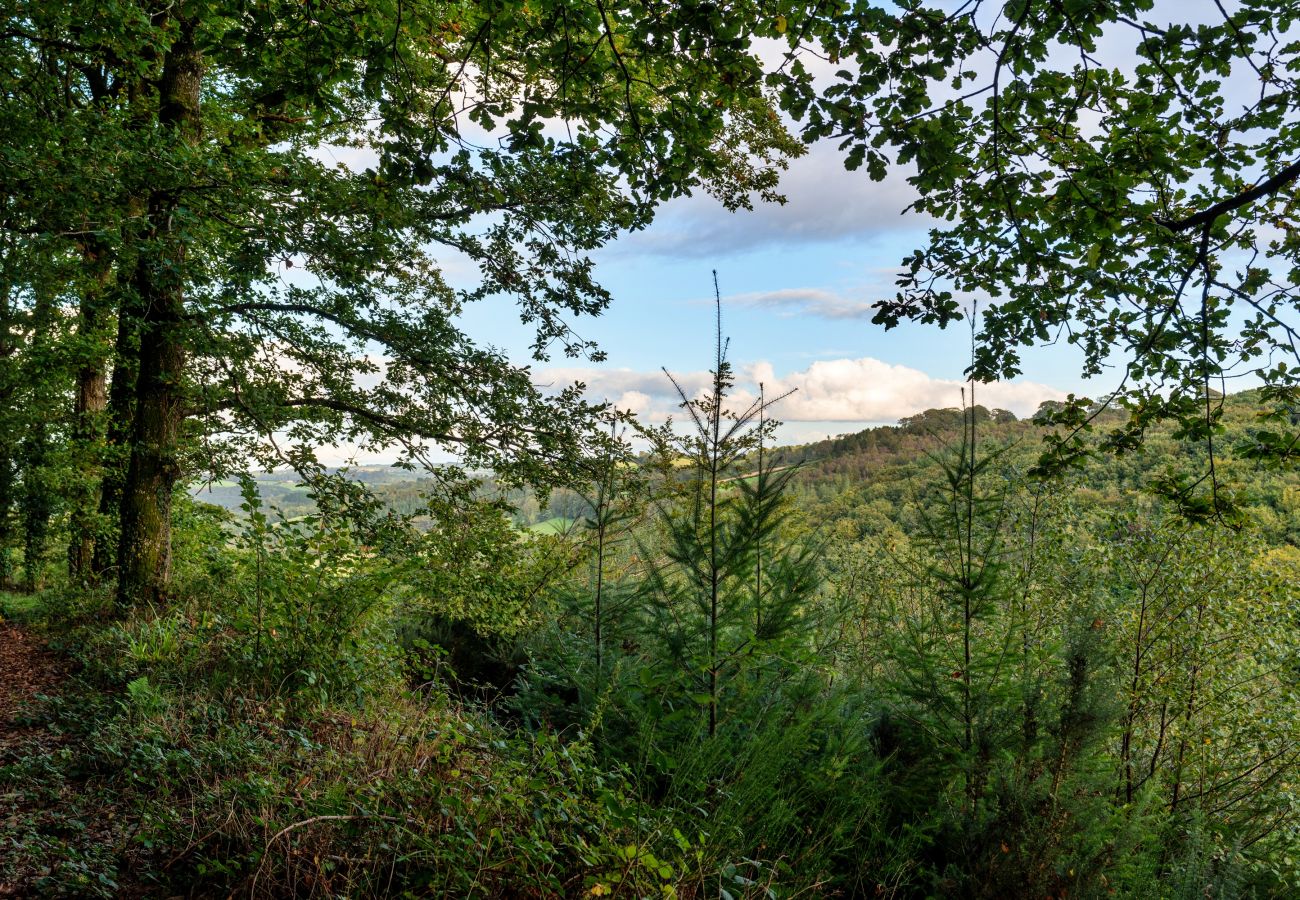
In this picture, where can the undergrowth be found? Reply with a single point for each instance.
(159, 775)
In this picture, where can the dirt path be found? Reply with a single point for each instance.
(26, 669)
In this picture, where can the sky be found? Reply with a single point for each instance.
(797, 282)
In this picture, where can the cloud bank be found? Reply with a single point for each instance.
(870, 390)
(861, 391)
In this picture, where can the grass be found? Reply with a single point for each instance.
(553, 525)
(20, 607)
(165, 784)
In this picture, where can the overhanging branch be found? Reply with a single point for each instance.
(1263, 189)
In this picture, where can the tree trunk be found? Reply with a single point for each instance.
(84, 523)
(37, 503)
(121, 406)
(144, 548)
(87, 423)
(8, 483)
(34, 450)
(115, 450)
(9, 382)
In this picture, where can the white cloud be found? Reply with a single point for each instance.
(650, 395)
(829, 203)
(611, 383)
(859, 391)
(870, 390)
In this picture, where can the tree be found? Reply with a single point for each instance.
(1122, 184)
(713, 600)
(263, 294)
(1203, 639)
(615, 502)
(36, 451)
(34, 393)
(90, 355)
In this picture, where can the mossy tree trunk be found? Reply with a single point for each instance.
(144, 549)
(88, 419)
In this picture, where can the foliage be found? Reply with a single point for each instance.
(263, 295)
(712, 607)
(1065, 571)
(965, 680)
(419, 797)
(955, 709)
(1117, 175)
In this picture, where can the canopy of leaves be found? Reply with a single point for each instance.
(350, 155)
(1118, 176)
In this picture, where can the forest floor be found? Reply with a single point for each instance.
(27, 671)
(66, 828)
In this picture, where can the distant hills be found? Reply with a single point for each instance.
(283, 489)
(883, 466)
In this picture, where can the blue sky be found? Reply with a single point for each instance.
(797, 282)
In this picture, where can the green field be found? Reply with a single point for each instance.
(553, 525)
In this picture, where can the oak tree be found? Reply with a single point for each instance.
(267, 196)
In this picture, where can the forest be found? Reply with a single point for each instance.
(556, 648)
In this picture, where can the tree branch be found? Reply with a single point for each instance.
(1263, 189)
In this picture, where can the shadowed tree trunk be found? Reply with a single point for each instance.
(115, 450)
(117, 433)
(144, 549)
(88, 419)
(8, 486)
(37, 505)
(9, 382)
